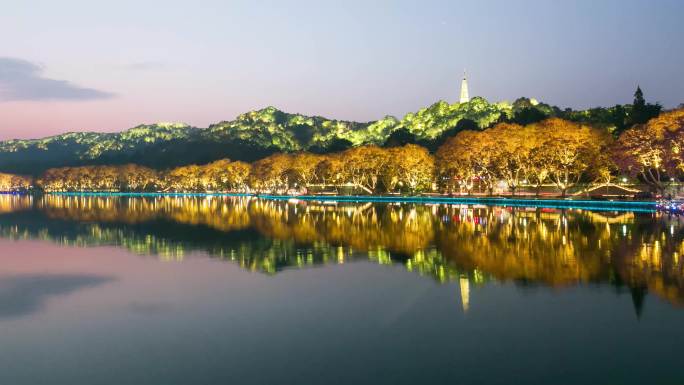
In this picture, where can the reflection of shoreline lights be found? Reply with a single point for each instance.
(556, 247)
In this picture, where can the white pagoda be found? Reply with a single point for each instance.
(465, 98)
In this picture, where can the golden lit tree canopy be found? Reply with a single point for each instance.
(552, 152)
(653, 150)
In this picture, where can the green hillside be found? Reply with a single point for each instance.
(256, 134)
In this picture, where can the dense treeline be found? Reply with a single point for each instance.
(553, 151)
(257, 134)
(366, 167)
(220, 175)
(9, 182)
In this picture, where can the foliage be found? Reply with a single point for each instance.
(99, 178)
(249, 137)
(9, 182)
(653, 150)
(258, 134)
(570, 148)
(556, 150)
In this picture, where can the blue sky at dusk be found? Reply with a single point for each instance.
(77, 65)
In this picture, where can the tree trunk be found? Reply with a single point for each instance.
(364, 188)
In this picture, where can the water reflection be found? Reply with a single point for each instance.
(22, 295)
(634, 252)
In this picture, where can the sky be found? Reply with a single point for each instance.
(83, 65)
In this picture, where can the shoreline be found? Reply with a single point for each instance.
(568, 203)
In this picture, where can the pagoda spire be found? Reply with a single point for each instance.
(465, 98)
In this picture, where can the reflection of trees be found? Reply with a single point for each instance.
(448, 243)
(648, 255)
(363, 227)
(11, 203)
(562, 248)
(215, 213)
(551, 248)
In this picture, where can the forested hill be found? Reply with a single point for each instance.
(256, 134)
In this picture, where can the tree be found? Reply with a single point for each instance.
(411, 166)
(639, 101)
(400, 137)
(363, 166)
(642, 112)
(271, 173)
(511, 155)
(331, 169)
(10, 182)
(338, 145)
(466, 124)
(528, 115)
(216, 175)
(238, 175)
(464, 159)
(415, 167)
(305, 167)
(185, 178)
(619, 119)
(654, 150)
(571, 149)
(538, 164)
(132, 177)
(527, 111)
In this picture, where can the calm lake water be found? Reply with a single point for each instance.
(247, 291)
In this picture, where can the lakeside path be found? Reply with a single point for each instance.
(584, 204)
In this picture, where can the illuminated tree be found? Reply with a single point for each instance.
(653, 150)
(305, 167)
(132, 177)
(538, 165)
(238, 175)
(511, 154)
(465, 158)
(10, 182)
(215, 175)
(330, 169)
(363, 166)
(186, 178)
(410, 165)
(271, 173)
(572, 148)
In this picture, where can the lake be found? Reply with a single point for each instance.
(243, 290)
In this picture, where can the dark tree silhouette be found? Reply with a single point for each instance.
(619, 119)
(639, 100)
(466, 124)
(528, 115)
(338, 145)
(642, 112)
(400, 138)
(503, 118)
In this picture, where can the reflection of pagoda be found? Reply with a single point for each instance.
(465, 293)
(465, 98)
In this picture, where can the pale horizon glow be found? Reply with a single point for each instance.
(77, 65)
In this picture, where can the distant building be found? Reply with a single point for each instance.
(465, 98)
